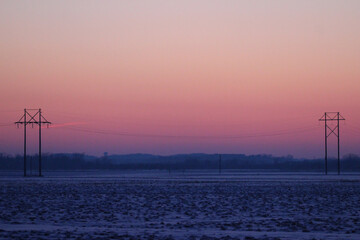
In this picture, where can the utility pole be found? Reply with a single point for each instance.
(332, 116)
(24, 142)
(32, 120)
(219, 163)
(40, 142)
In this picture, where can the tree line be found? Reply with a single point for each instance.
(81, 161)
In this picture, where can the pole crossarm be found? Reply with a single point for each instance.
(332, 116)
(33, 121)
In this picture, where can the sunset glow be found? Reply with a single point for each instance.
(168, 77)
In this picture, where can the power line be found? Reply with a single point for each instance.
(353, 126)
(127, 134)
(3, 111)
(167, 124)
(6, 124)
(352, 129)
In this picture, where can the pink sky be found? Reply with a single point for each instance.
(181, 68)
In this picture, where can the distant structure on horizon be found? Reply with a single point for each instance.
(332, 116)
(32, 120)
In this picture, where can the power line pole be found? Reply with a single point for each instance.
(219, 163)
(332, 116)
(32, 120)
(40, 142)
(24, 142)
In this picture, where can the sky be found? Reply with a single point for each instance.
(167, 77)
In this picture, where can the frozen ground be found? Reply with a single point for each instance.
(190, 205)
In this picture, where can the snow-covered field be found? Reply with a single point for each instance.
(189, 205)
